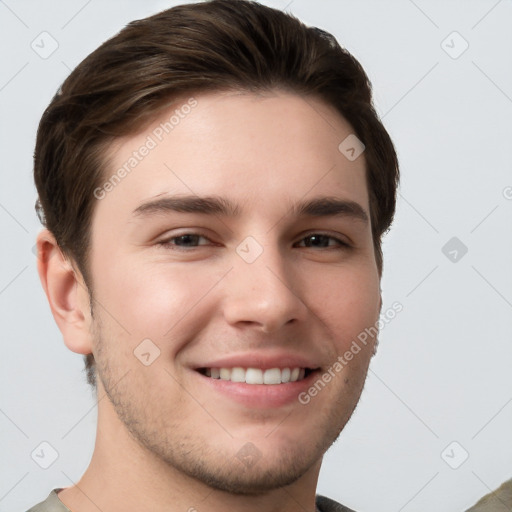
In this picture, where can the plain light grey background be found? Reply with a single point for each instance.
(432, 430)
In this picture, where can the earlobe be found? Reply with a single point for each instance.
(66, 293)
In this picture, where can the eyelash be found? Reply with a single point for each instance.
(167, 243)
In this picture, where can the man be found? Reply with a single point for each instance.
(214, 183)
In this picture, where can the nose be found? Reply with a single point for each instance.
(264, 294)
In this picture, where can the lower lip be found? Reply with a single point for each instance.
(262, 396)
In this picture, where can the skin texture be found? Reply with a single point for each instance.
(167, 439)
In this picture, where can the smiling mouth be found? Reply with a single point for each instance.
(269, 376)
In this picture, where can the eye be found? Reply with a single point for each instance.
(186, 240)
(322, 241)
(192, 240)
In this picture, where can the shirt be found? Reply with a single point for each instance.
(53, 504)
(499, 500)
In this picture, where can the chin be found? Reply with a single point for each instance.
(250, 474)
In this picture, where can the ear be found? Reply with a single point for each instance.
(66, 292)
(379, 312)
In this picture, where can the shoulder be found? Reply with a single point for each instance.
(499, 500)
(327, 505)
(50, 504)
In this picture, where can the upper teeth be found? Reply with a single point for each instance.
(257, 375)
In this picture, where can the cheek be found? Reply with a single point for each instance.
(347, 302)
(155, 301)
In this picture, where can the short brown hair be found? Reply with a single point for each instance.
(216, 45)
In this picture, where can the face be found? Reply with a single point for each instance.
(232, 268)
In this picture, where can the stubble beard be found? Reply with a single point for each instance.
(212, 464)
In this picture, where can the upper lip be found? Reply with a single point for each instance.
(261, 360)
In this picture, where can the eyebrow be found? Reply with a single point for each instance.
(330, 207)
(211, 205)
(214, 205)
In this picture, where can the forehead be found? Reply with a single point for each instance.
(257, 150)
